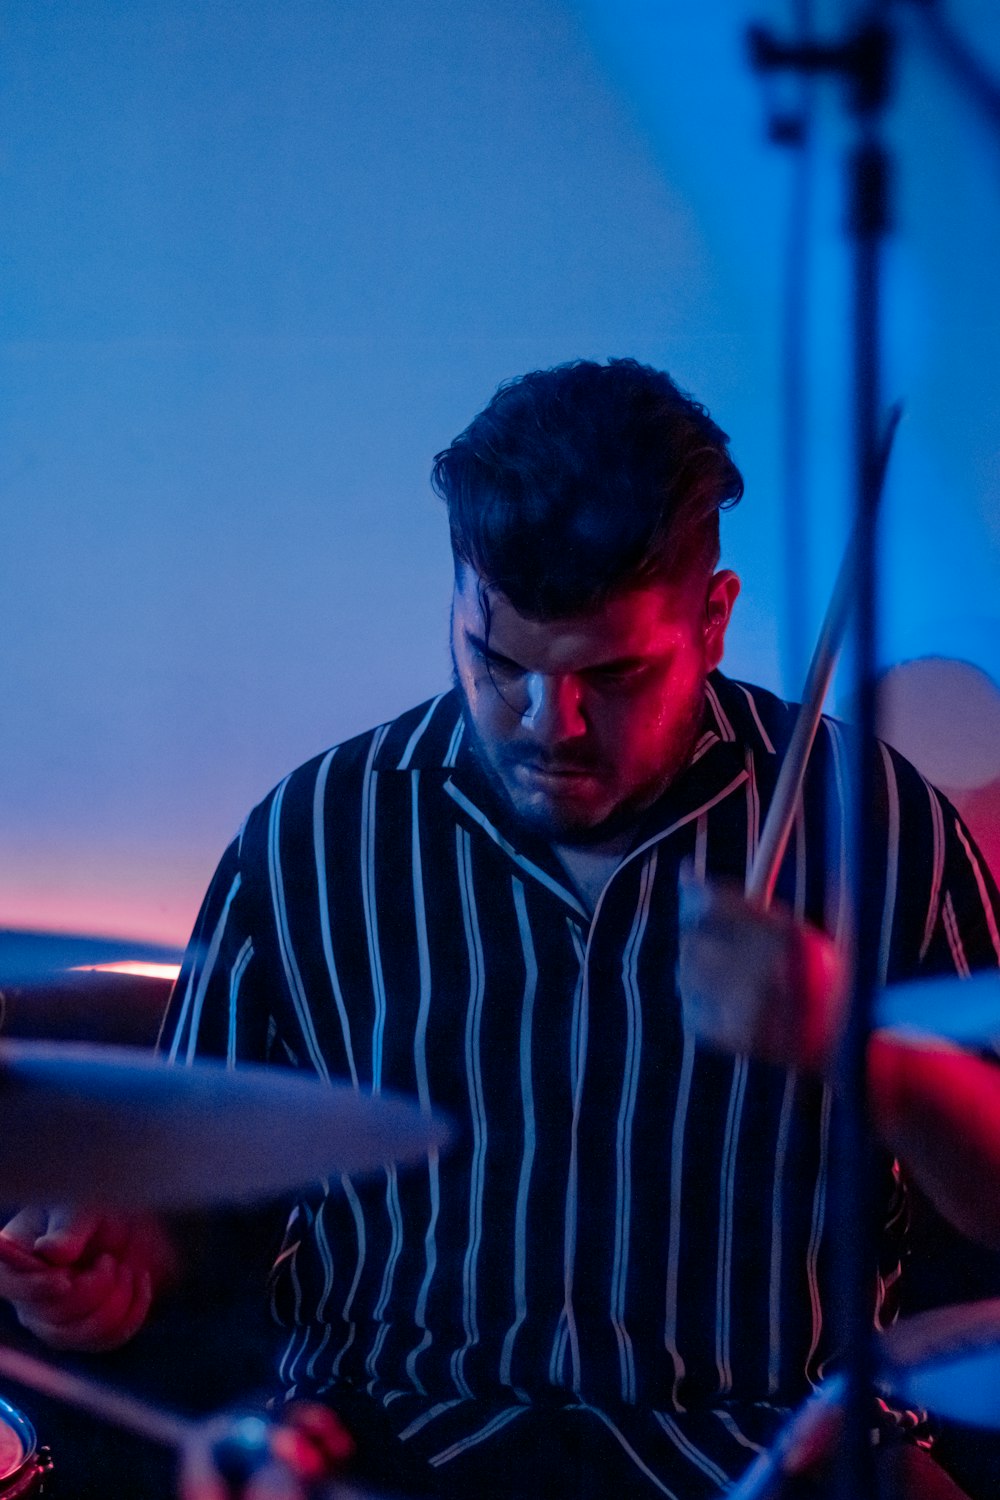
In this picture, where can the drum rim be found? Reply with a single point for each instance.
(29, 1440)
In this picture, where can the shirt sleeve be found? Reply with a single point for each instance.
(218, 1009)
(963, 922)
(218, 1006)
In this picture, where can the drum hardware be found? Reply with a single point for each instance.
(31, 958)
(781, 813)
(946, 1361)
(146, 1133)
(806, 1439)
(23, 1464)
(956, 1009)
(861, 57)
(296, 1457)
(149, 1134)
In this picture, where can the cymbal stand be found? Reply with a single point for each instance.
(862, 60)
(233, 1452)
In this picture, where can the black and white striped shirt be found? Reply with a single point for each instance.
(632, 1230)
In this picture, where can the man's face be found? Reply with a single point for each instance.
(583, 722)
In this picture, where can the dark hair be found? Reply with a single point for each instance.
(577, 483)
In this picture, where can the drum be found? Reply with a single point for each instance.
(23, 1465)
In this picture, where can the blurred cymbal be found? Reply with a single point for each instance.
(74, 988)
(116, 1126)
(31, 958)
(956, 1009)
(947, 1361)
(944, 716)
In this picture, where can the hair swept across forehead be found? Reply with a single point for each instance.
(577, 483)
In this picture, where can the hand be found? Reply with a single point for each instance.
(757, 981)
(95, 1279)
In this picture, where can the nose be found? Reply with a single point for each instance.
(555, 708)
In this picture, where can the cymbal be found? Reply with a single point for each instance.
(116, 1126)
(947, 1361)
(948, 1006)
(35, 957)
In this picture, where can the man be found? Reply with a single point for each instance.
(619, 1275)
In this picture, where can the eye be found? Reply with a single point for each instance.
(616, 674)
(502, 666)
(496, 665)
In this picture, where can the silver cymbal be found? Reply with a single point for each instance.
(33, 957)
(115, 1126)
(956, 1009)
(947, 1006)
(947, 1361)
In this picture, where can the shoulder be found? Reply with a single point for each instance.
(750, 715)
(764, 722)
(425, 737)
(758, 715)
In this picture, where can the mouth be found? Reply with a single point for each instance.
(530, 773)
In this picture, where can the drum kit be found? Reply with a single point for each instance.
(153, 1136)
(148, 1135)
(861, 60)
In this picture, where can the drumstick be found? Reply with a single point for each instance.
(807, 1439)
(18, 1259)
(781, 814)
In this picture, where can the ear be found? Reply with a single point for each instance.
(722, 593)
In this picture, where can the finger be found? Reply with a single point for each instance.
(33, 1289)
(98, 1328)
(700, 902)
(116, 1234)
(15, 1258)
(142, 1301)
(110, 1326)
(25, 1227)
(135, 1314)
(737, 957)
(88, 1291)
(69, 1235)
(105, 1326)
(322, 1428)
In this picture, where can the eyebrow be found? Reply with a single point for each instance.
(616, 664)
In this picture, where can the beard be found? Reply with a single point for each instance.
(562, 824)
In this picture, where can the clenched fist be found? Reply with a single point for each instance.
(93, 1278)
(757, 981)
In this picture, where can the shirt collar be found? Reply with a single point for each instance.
(436, 741)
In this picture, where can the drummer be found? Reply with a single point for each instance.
(521, 903)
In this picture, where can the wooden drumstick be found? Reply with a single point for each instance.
(781, 814)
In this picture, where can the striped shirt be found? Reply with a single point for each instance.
(631, 1230)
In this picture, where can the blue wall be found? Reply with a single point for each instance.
(262, 261)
